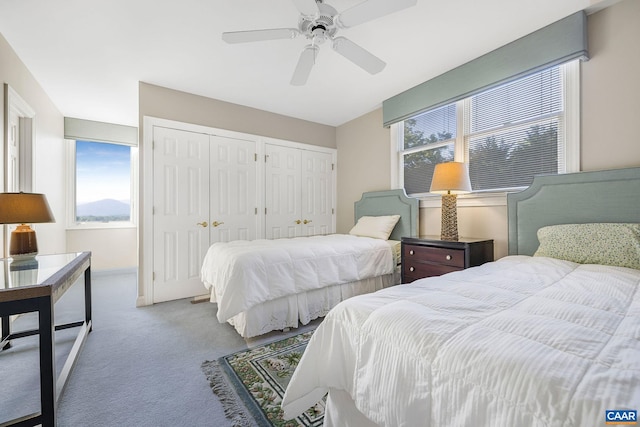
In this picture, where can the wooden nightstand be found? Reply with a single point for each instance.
(429, 256)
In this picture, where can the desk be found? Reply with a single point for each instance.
(34, 285)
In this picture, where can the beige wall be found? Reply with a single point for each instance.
(111, 248)
(610, 105)
(160, 102)
(49, 146)
(611, 89)
(363, 163)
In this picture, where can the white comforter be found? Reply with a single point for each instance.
(246, 273)
(519, 342)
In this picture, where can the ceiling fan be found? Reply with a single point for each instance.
(320, 22)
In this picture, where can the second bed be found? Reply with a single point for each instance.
(266, 285)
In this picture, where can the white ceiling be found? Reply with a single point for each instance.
(89, 55)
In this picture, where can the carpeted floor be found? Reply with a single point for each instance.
(139, 367)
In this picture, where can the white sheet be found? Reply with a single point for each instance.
(244, 273)
(521, 341)
(396, 248)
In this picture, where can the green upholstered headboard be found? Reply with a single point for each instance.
(574, 198)
(391, 202)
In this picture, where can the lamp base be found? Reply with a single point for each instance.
(23, 242)
(449, 227)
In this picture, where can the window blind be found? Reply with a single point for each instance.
(515, 132)
(507, 134)
(429, 139)
(552, 45)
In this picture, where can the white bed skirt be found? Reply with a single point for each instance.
(289, 312)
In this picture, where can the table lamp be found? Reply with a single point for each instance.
(450, 179)
(24, 208)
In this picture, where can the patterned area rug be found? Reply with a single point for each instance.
(251, 383)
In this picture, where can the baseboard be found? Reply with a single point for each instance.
(113, 271)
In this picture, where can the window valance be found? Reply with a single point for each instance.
(88, 130)
(552, 45)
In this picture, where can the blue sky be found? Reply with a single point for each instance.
(103, 171)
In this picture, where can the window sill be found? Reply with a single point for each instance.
(467, 200)
(101, 226)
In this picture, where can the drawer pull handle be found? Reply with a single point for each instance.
(448, 257)
(411, 252)
(411, 268)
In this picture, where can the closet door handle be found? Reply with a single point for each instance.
(203, 224)
(216, 223)
(306, 221)
(297, 221)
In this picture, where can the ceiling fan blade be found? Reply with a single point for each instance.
(260, 35)
(305, 64)
(307, 7)
(371, 9)
(358, 55)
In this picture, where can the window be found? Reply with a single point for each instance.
(429, 139)
(506, 134)
(103, 186)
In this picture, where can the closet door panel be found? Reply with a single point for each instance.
(317, 194)
(282, 192)
(180, 212)
(234, 197)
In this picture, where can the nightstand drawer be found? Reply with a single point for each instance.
(415, 271)
(429, 256)
(443, 256)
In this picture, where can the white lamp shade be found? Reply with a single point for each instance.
(450, 178)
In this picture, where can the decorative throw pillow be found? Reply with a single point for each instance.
(378, 227)
(615, 244)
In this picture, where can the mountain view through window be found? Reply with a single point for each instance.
(103, 182)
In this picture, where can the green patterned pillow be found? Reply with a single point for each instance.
(601, 243)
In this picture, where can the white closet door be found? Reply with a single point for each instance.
(282, 192)
(317, 193)
(181, 212)
(233, 204)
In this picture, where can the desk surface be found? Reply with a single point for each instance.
(34, 285)
(39, 276)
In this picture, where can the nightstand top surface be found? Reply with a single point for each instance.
(435, 240)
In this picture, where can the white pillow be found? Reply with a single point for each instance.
(378, 227)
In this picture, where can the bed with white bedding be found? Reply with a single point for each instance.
(266, 285)
(548, 336)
